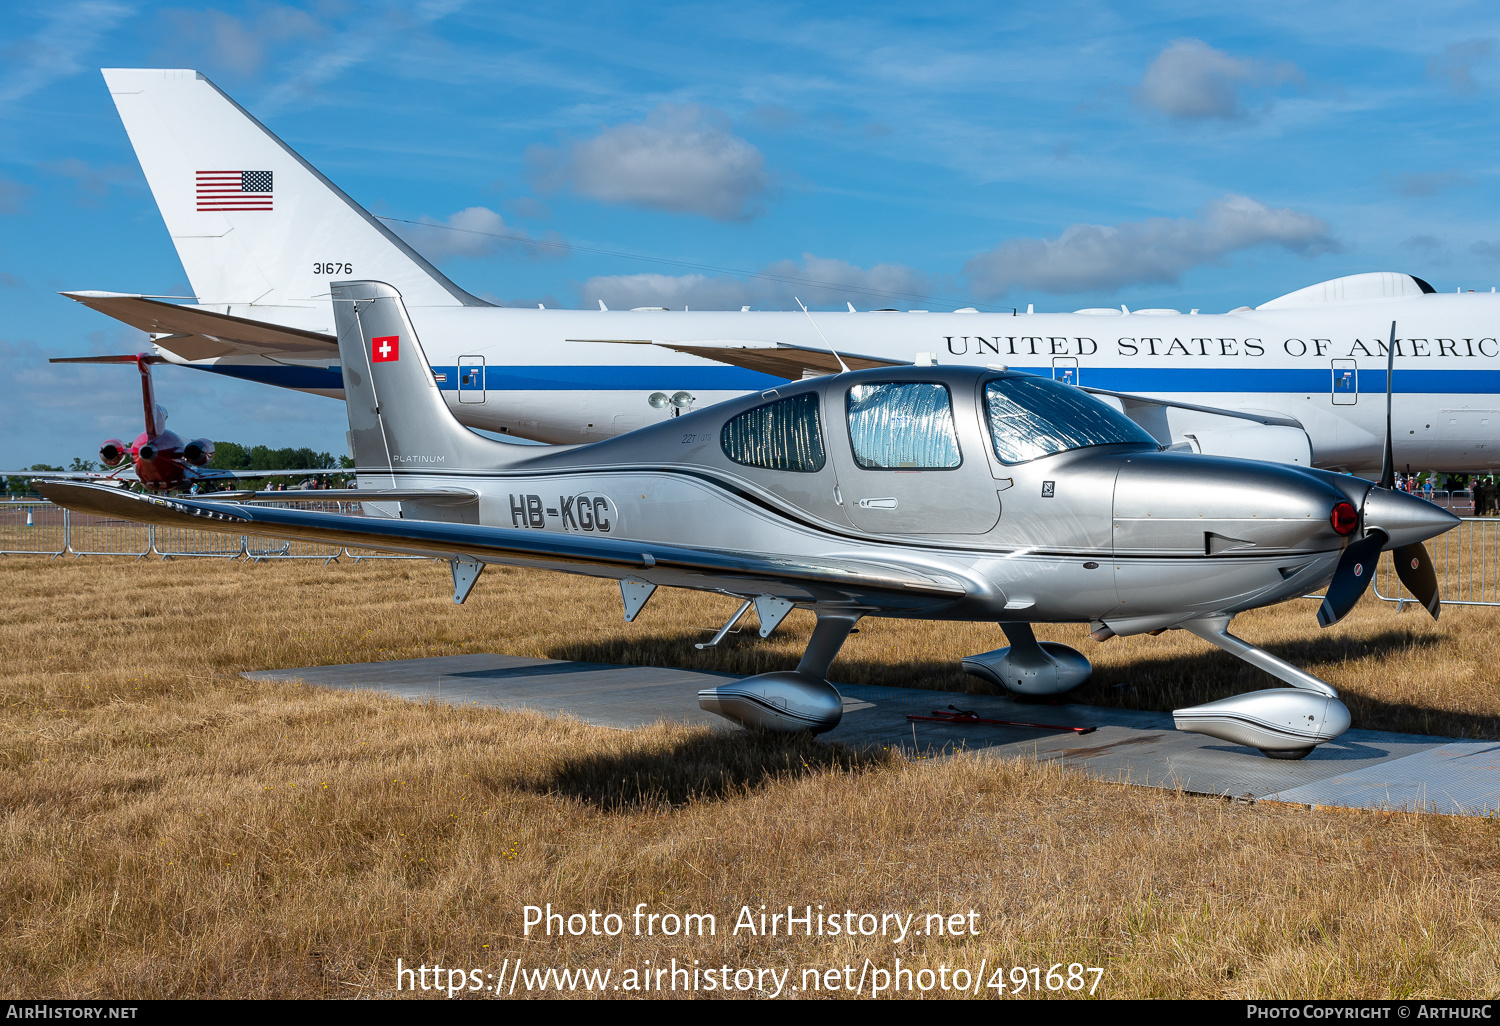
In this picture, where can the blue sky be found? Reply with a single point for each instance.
(1068, 154)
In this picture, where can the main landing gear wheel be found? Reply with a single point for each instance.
(1288, 753)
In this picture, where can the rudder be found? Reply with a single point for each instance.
(398, 420)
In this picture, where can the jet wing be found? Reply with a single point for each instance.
(1136, 403)
(782, 359)
(194, 333)
(792, 361)
(125, 474)
(880, 584)
(214, 474)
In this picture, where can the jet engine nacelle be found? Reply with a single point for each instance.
(1044, 668)
(113, 452)
(1274, 443)
(198, 452)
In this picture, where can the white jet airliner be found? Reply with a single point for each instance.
(261, 234)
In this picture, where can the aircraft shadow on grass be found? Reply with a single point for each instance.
(707, 766)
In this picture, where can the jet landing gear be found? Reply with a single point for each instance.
(1028, 666)
(789, 701)
(1284, 723)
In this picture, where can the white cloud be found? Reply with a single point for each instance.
(71, 31)
(1430, 183)
(13, 196)
(475, 232)
(682, 158)
(93, 182)
(240, 45)
(817, 281)
(1090, 257)
(1192, 81)
(1456, 63)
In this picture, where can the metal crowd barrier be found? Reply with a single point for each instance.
(42, 529)
(1462, 560)
(33, 529)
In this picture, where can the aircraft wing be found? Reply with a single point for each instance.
(214, 474)
(1178, 425)
(782, 359)
(880, 584)
(125, 474)
(194, 333)
(1136, 403)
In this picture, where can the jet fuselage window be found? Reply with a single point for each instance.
(902, 425)
(781, 435)
(1031, 417)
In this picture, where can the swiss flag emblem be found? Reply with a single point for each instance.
(385, 348)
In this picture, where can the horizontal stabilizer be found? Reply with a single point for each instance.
(200, 334)
(782, 359)
(136, 358)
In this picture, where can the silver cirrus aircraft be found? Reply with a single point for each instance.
(955, 493)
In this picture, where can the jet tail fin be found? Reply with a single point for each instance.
(398, 420)
(252, 221)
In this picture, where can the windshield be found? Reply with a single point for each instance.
(1032, 417)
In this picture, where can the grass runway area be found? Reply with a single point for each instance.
(172, 830)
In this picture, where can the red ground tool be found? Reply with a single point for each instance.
(957, 715)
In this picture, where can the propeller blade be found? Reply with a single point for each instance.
(1414, 567)
(1355, 571)
(1388, 458)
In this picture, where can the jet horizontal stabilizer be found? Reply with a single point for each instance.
(198, 334)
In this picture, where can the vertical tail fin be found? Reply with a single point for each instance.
(156, 417)
(398, 420)
(252, 221)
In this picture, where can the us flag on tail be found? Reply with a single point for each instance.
(234, 190)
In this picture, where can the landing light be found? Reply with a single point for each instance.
(1345, 518)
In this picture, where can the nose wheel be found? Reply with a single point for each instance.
(1284, 723)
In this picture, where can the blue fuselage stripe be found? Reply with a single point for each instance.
(1311, 381)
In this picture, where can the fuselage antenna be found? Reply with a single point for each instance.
(844, 366)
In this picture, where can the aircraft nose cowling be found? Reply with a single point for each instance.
(1406, 518)
(1172, 504)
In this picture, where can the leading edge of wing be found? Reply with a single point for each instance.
(840, 579)
(781, 359)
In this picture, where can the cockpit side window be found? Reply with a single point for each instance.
(781, 435)
(1033, 417)
(902, 425)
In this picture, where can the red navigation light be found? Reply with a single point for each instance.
(1345, 518)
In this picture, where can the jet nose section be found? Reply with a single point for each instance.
(1406, 518)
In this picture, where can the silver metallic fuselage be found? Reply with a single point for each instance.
(1118, 533)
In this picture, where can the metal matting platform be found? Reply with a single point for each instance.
(1362, 769)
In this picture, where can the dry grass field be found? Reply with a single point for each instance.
(171, 830)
